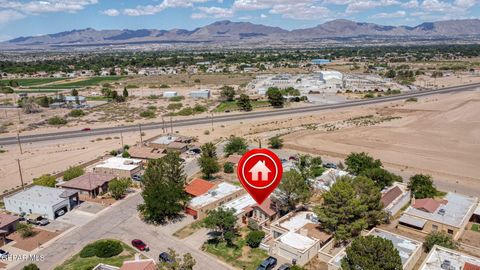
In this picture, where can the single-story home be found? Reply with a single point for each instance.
(120, 167)
(8, 223)
(90, 184)
(440, 258)
(394, 198)
(198, 187)
(145, 152)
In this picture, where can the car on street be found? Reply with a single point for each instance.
(43, 222)
(86, 129)
(330, 166)
(284, 266)
(164, 257)
(3, 254)
(140, 245)
(268, 264)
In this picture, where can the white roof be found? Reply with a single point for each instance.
(454, 212)
(165, 140)
(331, 74)
(439, 256)
(40, 195)
(328, 178)
(120, 163)
(297, 221)
(214, 194)
(240, 204)
(297, 241)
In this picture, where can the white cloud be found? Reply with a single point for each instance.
(153, 9)
(263, 16)
(111, 12)
(213, 12)
(383, 15)
(465, 3)
(301, 11)
(360, 5)
(9, 15)
(36, 7)
(411, 4)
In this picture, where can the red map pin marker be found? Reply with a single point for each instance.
(260, 172)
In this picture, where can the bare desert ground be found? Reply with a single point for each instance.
(439, 136)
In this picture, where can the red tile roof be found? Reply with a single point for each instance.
(391, 195)
(139, 265)
(198, 187)
(469, 266)
(429, 205)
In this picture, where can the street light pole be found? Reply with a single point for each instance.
(20, 172)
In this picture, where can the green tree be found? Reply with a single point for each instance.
(187, 262)
(209, 150)
(228, 167)
(118, 187)
(44, 101)
(25, 230)
(358, 162)
(76, 113)
(391, 74)
(243, 103)
(209, 166)
(31, 266)
(373, 253)
(125, 154)
(125, 92)
(74, 92)
(275, 97)
(275, 142)
(227, 93)
(73, 172)
(235, 145)
(254, 238)
(57, 121)
(439, 238)
(295, 188)
(422, 186)
(163, 194)
(45, 180)
(221, 220)
(309, 167)
(381, 177)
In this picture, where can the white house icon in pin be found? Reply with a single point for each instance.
(260, 168)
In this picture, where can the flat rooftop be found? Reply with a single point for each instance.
(240, 204)
(40, 195)
(120, 163)
(440, 256)
(297, 241)
(453, 212)
(298, 221)
(221, 191)
(166, 140)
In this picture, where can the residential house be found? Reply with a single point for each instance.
(198, 187)
(394, 198)
(137, 264)
(328, 178)
(89, 184)
(120, 167)
(8, 224)
(450, 214)
(440, 258)
(145, 152)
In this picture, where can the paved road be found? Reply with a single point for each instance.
(233, 117)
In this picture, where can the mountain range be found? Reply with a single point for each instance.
(228, 32)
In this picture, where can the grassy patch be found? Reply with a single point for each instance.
(232, 105)
(83, 83)
(38, 91)
(239, 255)
(33, 82)
(76, 262)
(475, 227)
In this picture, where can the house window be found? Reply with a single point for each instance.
(434, 227)
(450, 231)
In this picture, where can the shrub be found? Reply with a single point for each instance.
(147, 114)
(276, 142)
(254, 238)
(228, 167)
(102, 249)
(57, 121)
(88, 251)
(439, 238)
(73, 172)
(25, 230)
(31, 266)
(164, 86)
(369, 95)
(412, 99)
(174, 106)
(45, 180)
(177, 98)
(76, 113)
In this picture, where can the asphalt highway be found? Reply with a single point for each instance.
(228, 118)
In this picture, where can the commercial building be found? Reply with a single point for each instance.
(394, 198)
(89, 184)
(450, 215)
(409, 250)
(45, 201)
(296, 237)
(119, 167)
(215, 197)
(204, 93)
(441, 258)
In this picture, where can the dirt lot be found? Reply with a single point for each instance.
(438, 136)
(31, 243)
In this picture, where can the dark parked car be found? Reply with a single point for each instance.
(140, 245)
(3, 254)
(285, 266)
(268, 264)
(330, 166)
(164, 257)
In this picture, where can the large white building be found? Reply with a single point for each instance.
(44, 201)
(441, 258)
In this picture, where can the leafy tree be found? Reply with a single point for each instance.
(235, 145)
(44, 101)
(295, 188)
(31, 266)
(114, 95)
(227, 93)
(13, 83)
(187, 262)
(125, 154)
(118, 187)
(275, 97)
(45, 180)
(221, 220)
(381, 177)
(439, 238)
(373, 253)
(391, 74)
(208, 165)
(309, 166)
(73, 172)
(209, 150)
(74, 92)
(57, 121)
(350, 206)
(358, 162)
(163, 194)
(275, 142)
(125, 92)
(228, 167)
(243, 103)
(254, 238)
(422, 186)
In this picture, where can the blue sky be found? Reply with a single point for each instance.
(29, 17)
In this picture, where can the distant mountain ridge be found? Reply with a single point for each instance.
(245, 32)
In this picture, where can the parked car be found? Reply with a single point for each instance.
(268, 264)
(137, 177)
(37, 220)
(330, 166)
(140, 245)
(43, 222)
(195, 151)
(3, 254)
(86, 129)
(164, 257)
(285, 266)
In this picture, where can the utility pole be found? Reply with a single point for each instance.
(19, 143)
(20, 172)
(259, 143)
(121, 138)
(212, 121)
(163, 125)
(171, 125)
(140, 130)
